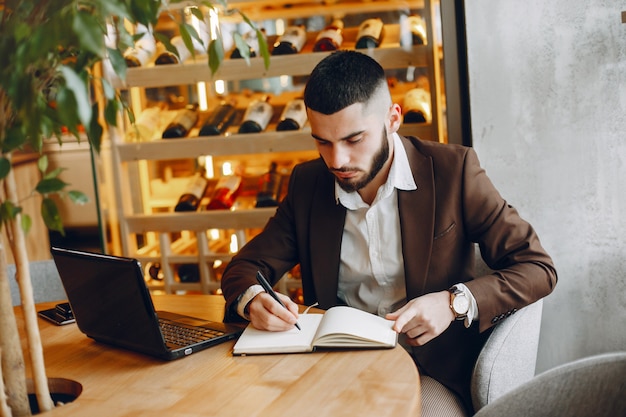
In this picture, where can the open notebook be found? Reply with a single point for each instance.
(338, 327)
(112, 304)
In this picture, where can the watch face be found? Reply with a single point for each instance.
(460, 304)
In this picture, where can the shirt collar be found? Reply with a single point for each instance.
(400, 177)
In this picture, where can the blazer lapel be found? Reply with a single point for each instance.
(416, 210)
(326, 228)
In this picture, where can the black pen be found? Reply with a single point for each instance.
(268, 289)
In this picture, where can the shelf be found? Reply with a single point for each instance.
(238, 69)
(295, 9)
(185, 259)
(236, 144)
(199, 221)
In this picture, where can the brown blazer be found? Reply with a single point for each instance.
(454, 207)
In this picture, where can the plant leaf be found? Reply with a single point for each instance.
(78, 197)
(42, 163)
(91, 37)
(14, 139)
(94, 131)
(216, 55)
(117, 62)
(110, 112)
(165, 40)
(264, 50)
(5, 167)
(54, 173)
(50, 185)
(8, 211)
(114, 8)
(51, 216)
(242, 46)
(107, 88)
(197, 13)
(27, 222)
(78, 86)
(187, 32)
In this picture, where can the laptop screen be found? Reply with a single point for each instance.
(109, 298)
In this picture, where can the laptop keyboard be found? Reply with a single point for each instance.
(180, 335)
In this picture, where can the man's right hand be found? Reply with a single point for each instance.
(267, 314)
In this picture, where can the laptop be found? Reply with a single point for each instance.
(111, 303)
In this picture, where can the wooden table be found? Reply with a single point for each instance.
(212, 382)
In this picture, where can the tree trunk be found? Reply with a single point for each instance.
(5, 411)
(18, 247)
(12, 358)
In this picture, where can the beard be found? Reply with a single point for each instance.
(349, 185)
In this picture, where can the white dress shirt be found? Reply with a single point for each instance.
(371, 270)
(376, 282)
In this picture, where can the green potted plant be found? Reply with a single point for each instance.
(48, 51)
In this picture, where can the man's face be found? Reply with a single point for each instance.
(354, 144)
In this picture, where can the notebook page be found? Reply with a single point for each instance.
(255, 341)
(341, 324)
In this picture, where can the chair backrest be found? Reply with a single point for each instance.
(45, 279)
(593, 386)
(509, 356)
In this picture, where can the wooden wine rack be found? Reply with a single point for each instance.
(140, 223)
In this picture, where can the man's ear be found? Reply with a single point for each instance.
(395, 118)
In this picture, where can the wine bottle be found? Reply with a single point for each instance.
(145, 127)
(416, 106)
(290, 42)
(412, 30)
(167, 57)
(331, 38)
(154, 271)
(194, 191)
(293, 116)
(188, 272)
(218, 121)
(257, 116)
(143, 50)
(225, 193)
(270, 188)
(370, 34)
(184, 120)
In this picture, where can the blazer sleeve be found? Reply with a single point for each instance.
(275, 250)
(523, 271)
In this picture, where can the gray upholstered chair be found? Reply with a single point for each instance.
(509, 356)
(507, 360)
(45, 279)
(593, 386)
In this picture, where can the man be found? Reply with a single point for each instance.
(388, 224)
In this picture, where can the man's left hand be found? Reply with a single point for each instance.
(423, 318)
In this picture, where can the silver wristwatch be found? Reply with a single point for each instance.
(459, 303)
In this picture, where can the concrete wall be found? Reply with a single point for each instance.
(548, 106)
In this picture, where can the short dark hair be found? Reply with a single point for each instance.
(341, 79)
